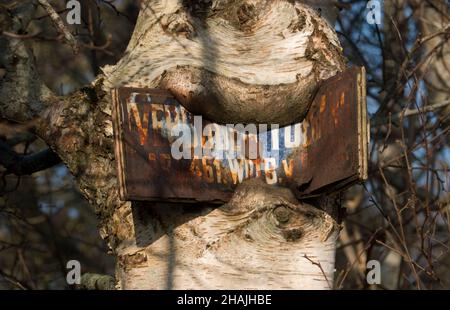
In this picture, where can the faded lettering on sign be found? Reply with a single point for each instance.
(166, 153)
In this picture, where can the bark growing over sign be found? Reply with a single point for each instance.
(261, 239)
(326, 152)
(231, 61)
(255, 61)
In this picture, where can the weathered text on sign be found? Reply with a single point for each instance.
(166, 153)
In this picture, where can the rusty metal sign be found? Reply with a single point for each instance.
(165, 153)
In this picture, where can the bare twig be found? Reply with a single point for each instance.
(60, 26)
(318, 264)
(409, 112)
(20, 36)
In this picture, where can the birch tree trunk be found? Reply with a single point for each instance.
(231, 61)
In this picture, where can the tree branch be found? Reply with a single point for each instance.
(26, 164)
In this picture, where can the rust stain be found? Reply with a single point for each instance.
(141, 125)
(288, 166)
(323, 103)
(342, 99)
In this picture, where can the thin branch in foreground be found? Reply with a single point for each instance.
(20, 36)
(409, 112)
(60, 26)
(318, 264)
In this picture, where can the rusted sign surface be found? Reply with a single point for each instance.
(165, 153)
